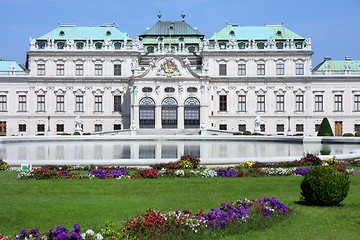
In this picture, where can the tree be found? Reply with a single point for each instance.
(325, 128)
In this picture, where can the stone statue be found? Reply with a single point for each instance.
(108, 43)
(257, 124)
(201, 45)
(271, 42)
(70, 42)
(288, 43)
(152, 62)
(133, 125)
(206, 44)
(232, 43)
(216, 43)
(187, 61)
(308, 42)
(125, 42)
(32, 43)
(78, 124)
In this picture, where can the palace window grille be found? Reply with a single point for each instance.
(280, 127)
(117, 103)
(242, 69)
(117, 69)
(60, 127)
(79, 103)
(79, 69)
(357, 127)
(41, 127)
(98, 70)
(3, 103)
(261, 69)
(299, 127)
(41, 69)
(280, 103)
(242, 103)
(319, 103)
(22, 103)
(222, 69)
(192, 113)
(147, 113)
(41, 103)
(169, 116)
(299, 69)
(280, 69)
(117, 45)
(222, 103)
(338, 103)
(22, 127)
(98, 103)
(60, 103)
(242, 127)
(299, 103)
(60, 69)
(98, 127)
(357, 103)
(261, 103)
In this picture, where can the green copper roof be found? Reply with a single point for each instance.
(82, 33)
(5, 67)
(277, 32)
(336, 65)
(180, 28)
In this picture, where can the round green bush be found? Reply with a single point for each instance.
(324, 186)
(326, 134)
(247, 133)
(348, 135)
(237, 133)
(357, 134)
(76, 133)
(65, 133)
(87, 133)
(255, 133)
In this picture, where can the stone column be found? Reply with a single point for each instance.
(157, 116)
(180, 117)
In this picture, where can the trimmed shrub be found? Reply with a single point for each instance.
(311, 159)
(65, 133)
(76, 133)
(324, 186)
(237, 133)
(247, 133)
(357, 134)
(256, 133)
(86, 133)
(348, 135)
(325, 152)
(325, 128)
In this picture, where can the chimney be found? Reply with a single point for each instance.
(327, 58)
(347, 58)
(0, 58)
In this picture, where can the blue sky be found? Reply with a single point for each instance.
(334, 26)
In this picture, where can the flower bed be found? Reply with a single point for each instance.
(156, 224)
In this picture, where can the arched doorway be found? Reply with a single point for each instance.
(169, 116)
(192, 113)
(147, 113)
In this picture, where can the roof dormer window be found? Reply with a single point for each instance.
(108, 33)
(181, 39)
(117, 45)
(61, 33)
(98, 45)
(279, 33)
(61, 45)
(279, 45)
(298, 45)
(261, 45)
(232, 33)
(241, 45)
(41, 45)
(79, 45)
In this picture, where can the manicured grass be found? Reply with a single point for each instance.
(47, 203)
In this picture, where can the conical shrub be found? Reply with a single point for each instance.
(325, 128)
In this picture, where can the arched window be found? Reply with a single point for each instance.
(41, 45)
(147, 90)
(192, 113)
(241, 45)
(279, 45)
(117, 45)
(191, 49)
(169, 113)
(222, 45)
(261, 45)
(192, 90)
(147, 113)
(61, 45)
(98, 45)
(80, 45)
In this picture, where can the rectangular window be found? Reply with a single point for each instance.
(79, 103)
(280, 103)
(41, 127)
(98, 127)
(299, 127)
(22, 127)
(60, 103)
(41, 103)
(117, 103)
(357, 103)
(262, 127)
(319, 103)
(223, 103)
(60, 127)
(222, 69)
(242, 127)
(79, 69)
(280, 127)
(60, 69)
(242, 69)
(223, 127)
(41, 69)
(242, 103)
(357, 127)
(261, 103)
(98, 70)
(280, 69)
(22, 103)
(98, 103)
(317, 127)
(261, 69)
(117, 126)
(117, 69)
(3, 103)
(299, 103)
(338, 103)
(299, 69)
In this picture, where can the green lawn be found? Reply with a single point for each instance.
(47, 203)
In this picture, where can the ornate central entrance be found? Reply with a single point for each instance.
(169, 114)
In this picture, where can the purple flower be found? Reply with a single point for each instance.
(23, 231)
(74, 235)
(77, 228)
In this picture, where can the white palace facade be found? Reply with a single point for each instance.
(172, 77)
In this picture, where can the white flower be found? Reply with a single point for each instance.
(90, 232)
(99, 236)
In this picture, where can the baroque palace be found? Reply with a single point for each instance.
(172, 77)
